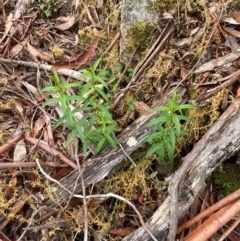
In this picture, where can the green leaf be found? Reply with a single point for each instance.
(172, 137)
(100, 144)
(60, 121)
(64, 104)
(161, 153)
(101, 93)
(170, 152)
(176, 122)
(52, 101)
(111, 141)
(153, 149)
(153, 137)
(71, 137)
(50, 89)
(55, 77)
(80, 131)
(183, 117)
(162, 108)
(97, 63)
(186, 106)
(100, 80)
(157, 120)
(71, 85)
(76, 98)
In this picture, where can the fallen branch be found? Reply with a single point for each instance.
(218, 144)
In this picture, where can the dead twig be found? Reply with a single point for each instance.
(50, 150)
(67, 72)
(226, 84)
(11, 143)
(29, 164)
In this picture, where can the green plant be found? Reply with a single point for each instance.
(96, 126)
(168, 129)
(130, 103)
(45, 7)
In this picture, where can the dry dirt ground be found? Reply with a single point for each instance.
(200, 53)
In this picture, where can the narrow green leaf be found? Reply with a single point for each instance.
(52, 101)
(153, 149)
(100, 144)
(100, 80)
(161, 153)
(183, 117)
(162, 108)
(102, 94)
(50, 89)
(157, 120)
(71, 137)
(176, 122)
(96, 64)
(170, 152)
(154, 137)
(71, 85)
(172, 137)
(60, 121)
(111, 141)
(186, 106)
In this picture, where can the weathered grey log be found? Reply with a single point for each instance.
(99, 166)
(218, 144)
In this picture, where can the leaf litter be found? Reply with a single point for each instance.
(68, 40)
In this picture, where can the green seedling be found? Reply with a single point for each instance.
(96, 126)
(163, 141)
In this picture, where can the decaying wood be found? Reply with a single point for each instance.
(218, 144)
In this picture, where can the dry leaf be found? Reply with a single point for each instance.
(39, 124)
(38, 54)
(7, 26)
(231, 21)
(238, 92)
(236, 16)
(228, 58)
(122, 232)
(66, 25)
(232, 31)
(99, 3)
(18, 48)
(30, 87)
(141, 107)
(80, 217)
(57, 51)
(81, 61)
(19, 107)
(20, 151)
(140, 198)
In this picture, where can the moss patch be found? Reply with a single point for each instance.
(140, 35)
(227, 178)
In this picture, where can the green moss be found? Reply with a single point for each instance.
(140, 36)
(164, 5)
(227, 178)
